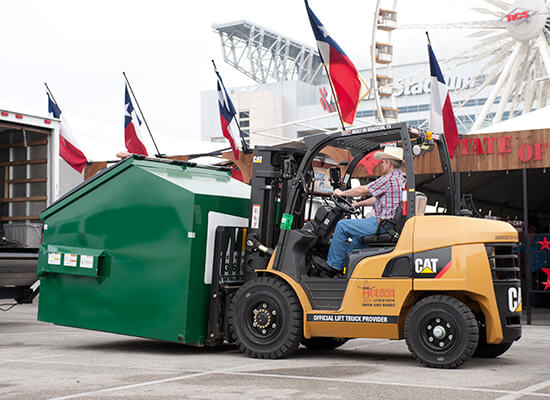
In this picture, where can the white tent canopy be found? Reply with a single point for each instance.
(538, 119)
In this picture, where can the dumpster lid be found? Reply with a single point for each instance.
(112, 171)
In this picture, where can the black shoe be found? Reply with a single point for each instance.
(322, 264)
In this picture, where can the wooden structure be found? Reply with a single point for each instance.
(494, 152)
(244, 163)
(475, 153)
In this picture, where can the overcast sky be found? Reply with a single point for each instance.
(81, 48)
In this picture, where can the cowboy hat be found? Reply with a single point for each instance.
(389, 153)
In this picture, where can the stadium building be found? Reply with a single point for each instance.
(293, 97)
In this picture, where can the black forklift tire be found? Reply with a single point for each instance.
(441, 332)
(488, 350)
(266, 318)
(323, 343)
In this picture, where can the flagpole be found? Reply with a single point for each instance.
(56, 147)
(142, 116)
(335, 98)
(50, 93)
(243, 141)
(56, 162)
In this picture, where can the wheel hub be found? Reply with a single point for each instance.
(263, 322)
(262, 318)
(439, 334)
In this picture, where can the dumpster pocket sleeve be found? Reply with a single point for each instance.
(68, 260)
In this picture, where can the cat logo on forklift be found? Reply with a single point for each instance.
(432, 263)
(514, 299)
(426, 265)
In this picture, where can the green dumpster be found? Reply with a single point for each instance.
(127, 251)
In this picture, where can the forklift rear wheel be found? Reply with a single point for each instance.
(441, 332)
(323, 343)
(266, 318)
(487, 350)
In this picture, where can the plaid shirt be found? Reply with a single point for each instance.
(387, 191)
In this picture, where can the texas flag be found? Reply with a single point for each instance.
(342, 72)
(131, 137)
(230, 129)
(442, 117)
(369, 162)
(68, 146)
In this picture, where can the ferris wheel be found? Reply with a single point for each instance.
(385, 18)
(513, 52)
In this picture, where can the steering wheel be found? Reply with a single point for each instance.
(343, 204)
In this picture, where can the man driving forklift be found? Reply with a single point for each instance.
(386, 198)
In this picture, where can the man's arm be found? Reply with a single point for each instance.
(365, 203)
(354, 192)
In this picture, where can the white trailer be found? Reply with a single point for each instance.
(32, 176)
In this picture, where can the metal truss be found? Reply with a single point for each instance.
(266, 56)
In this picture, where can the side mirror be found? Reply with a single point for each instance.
(335, 177)
(289, 168)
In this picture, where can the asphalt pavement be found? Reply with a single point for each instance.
(44, 361)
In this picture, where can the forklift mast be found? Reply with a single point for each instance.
(273, 170)
(452, 197)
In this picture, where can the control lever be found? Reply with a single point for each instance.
(254, 244)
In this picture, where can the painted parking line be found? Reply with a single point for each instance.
(380, 383)
(148, 383)
(508, 394)
(31, 359)
(527, 391)
(41, 332)
(133, 386)
(77, 364)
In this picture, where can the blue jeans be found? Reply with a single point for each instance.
(346, 228)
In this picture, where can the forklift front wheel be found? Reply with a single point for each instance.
(266, 318)
(441, 332)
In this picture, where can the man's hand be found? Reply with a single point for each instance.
(338, 192)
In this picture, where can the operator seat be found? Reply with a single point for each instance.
(388, 231)
(323, 223)
(320, 215)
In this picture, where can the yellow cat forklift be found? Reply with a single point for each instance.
(447, 284)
